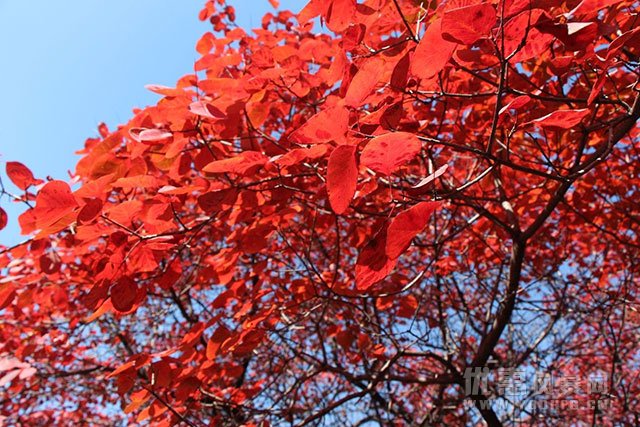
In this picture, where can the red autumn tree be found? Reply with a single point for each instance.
(347, 226)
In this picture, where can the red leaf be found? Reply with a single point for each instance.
(103, 130)
(469, 23)
(164, 90)
(7, 295)
(239, 164)
(561, 119)
(298, 155)
(373, 264)
(597, 87)
(311, 10)
(27, 372)
(406, 225)
(630, 37)
(89, 211)
(217, 200)
(386, 153)
(590, 7)
(515, 104)
(205, 109)
(433, 52)
(123, 294)
(342, 177)
(49, 263)
(340, 15)
(137, 181)
(431, 177)
(215, 342)
(520, 35)
(407, 306)
(316, 131)
(8, 363)
(186, 387)
(574, 35)
(137, 361)
(194, 334)
(401, 72)
(171, 189)
(4, 219)
(7, 378)
(363, 82)
(21, 176)
(149, 135)
(53, 202)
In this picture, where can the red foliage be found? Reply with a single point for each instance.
(336, 226)
(21, 176)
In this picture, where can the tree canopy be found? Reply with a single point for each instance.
(336, 218)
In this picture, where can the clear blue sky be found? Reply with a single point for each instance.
(68, 65)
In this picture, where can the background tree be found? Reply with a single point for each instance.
(337, 227)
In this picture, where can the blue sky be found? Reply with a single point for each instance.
(68, 65)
